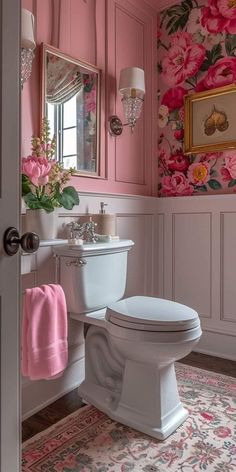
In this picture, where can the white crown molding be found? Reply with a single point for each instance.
(159, 5)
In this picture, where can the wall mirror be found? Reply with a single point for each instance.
(71, 102)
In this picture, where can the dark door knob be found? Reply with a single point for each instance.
(29, 242)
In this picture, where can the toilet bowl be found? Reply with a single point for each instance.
(131, 344)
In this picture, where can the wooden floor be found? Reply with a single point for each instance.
(71, 402)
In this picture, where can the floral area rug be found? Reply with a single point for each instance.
(88, 441)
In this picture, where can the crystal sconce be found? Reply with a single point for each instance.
(132, 89)
(27, 44)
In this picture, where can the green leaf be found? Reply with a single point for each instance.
(191, 158)
(201, 188)
(216, 53)
(178, 16)
(230, 44)
(205, 65)
(163, 14)
(189, 4)
(68, 198)
(214, 184)
(232, 183)
(35, 203)
(25, 185)
(211, 57)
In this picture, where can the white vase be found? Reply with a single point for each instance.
(42, 223)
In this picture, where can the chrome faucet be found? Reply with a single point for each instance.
(89, 231)
(75, 230)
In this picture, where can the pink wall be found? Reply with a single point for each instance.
(110, 34)
(196, 52)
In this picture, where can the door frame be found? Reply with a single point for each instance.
(10, 436)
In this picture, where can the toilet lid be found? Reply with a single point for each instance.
(152, 314)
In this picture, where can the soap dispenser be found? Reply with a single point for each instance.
(106, 222)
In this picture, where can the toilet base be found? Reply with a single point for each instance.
(147, 401)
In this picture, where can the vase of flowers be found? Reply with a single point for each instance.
(44, 188)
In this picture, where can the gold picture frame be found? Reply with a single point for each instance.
(210, 120)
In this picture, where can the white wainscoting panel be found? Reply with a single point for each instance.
(158, 250)
(228, 265)
(191, 272)
(140, 260)
(197, 236)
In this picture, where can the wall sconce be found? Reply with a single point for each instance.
(27, 44)
(132, 87)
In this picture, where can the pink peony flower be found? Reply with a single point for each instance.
(219, 16)
(37, 169)
(223, 72)
(174, 98)
(178, 162)
(176, 185)
(199, 173)
(230, 163)
(183, 59)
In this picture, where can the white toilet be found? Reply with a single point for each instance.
(130, 344)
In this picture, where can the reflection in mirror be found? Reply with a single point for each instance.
(71, 102)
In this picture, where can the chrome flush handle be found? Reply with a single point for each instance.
(76, 263)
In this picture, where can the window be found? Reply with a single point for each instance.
(69, 127)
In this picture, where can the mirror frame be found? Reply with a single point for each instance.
(46, 48)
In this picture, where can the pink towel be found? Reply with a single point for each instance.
(44, 332)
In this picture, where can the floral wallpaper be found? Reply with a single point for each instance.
(196, 43)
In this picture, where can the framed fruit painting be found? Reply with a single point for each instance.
(210, 120)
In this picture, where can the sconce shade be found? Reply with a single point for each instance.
(132, 87)
(27, 30)
(132, 78)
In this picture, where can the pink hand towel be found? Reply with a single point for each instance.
(44, 332)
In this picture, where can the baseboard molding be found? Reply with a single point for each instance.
(37, 395)
(218, 345)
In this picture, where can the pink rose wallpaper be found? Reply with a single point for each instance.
(196, 44)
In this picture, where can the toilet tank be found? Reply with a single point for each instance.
(92, 275)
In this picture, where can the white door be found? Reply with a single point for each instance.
(9, 216)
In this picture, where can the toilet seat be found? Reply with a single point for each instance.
(142, 313)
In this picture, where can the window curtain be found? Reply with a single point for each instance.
(64, 80)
